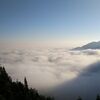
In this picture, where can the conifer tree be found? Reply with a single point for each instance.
(79, 98)
(98, 97)
(10, 90)
(25, 83)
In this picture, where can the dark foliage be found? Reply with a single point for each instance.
(10, 90)
(79, 98)
(98, 97)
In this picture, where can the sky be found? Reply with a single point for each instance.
(49, 22)
(52, 23)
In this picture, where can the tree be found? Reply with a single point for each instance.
(98, 97)
(10, 90)
(2, 98)
(79, 98)
(25, 83)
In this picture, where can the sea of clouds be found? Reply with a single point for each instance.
(49, 68)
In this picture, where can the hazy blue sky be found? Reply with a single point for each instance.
(49, 20)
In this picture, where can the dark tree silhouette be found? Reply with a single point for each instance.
(10, 90)
(79, 98)
(98, 97)
(25, 83)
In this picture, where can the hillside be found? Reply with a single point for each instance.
(92, 45)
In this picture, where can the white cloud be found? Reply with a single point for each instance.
(45, 68)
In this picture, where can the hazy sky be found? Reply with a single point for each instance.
(49, 21)
(46, 23)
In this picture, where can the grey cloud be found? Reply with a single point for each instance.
(54, 66)
(86, 52)
(86, 85)
(92, 69)
(91, 52)
(35, 59)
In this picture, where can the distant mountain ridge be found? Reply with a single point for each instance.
(91, 45)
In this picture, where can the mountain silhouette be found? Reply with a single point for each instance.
(91, 45)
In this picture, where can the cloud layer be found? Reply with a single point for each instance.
(47, 68)
(86, 85)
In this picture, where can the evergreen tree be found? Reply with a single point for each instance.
(98, 97)
(25, 83)
(2, 98)
(79, 98)
(10, 90)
